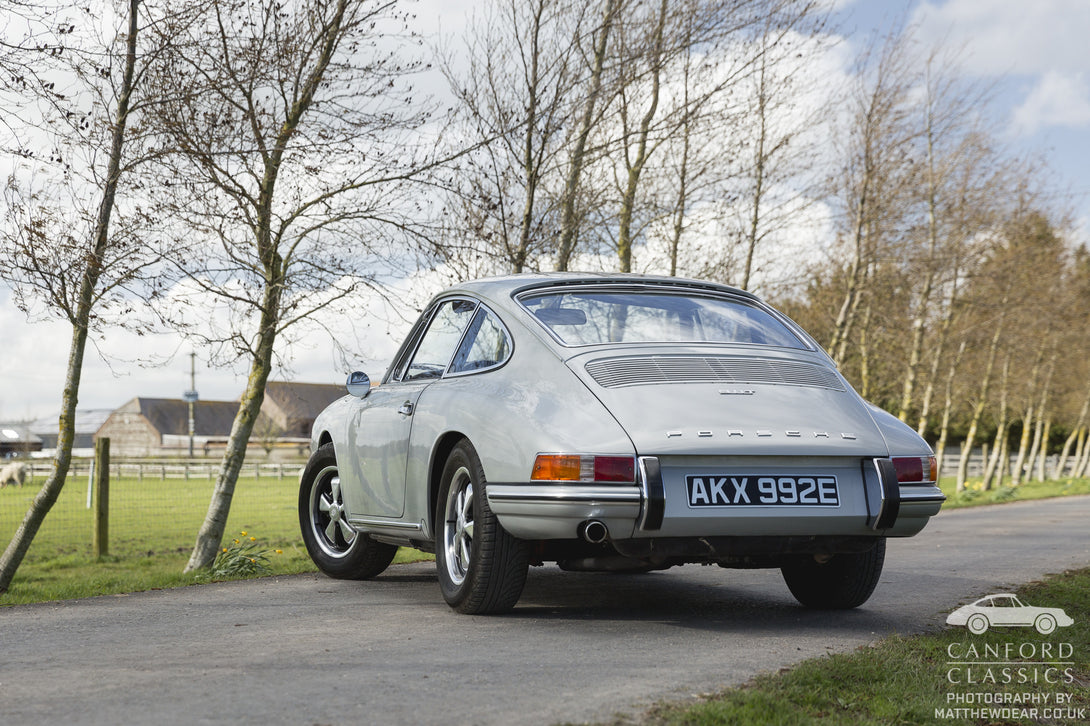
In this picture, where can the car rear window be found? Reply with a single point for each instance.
(603, 316)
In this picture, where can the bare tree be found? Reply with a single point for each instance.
(589, 117)
(874, 169)
(958, 168)
(71, 248)
(292, 127)
(516, 93)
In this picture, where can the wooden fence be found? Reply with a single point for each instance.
(162, 470)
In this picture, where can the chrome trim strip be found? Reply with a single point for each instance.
(369, 523)
(625, 494)
(921, 494)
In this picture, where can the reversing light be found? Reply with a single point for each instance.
(584, 467)
(916, 469)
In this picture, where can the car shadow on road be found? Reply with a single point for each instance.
(687, 602)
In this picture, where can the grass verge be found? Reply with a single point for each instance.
(974, 495)
(68, 577)
(910, 680)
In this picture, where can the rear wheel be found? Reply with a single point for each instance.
(841, 582)
(335, 547)
(482, 568)
(1045, 624)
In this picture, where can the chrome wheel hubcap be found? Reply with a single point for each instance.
(331, 530)
(458, 526)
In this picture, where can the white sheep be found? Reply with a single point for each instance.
(14, 473)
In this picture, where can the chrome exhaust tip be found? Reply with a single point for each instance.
(593, 531)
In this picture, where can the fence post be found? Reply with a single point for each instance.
(101, 545)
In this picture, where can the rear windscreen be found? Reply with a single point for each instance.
(602, 316)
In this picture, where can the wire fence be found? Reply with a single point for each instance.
(155, 507)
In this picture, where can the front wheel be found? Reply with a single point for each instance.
(335, 547)
(977, 624)
(482, 568)
(842, 582)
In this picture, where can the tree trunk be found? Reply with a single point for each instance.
(948, 406)
(1084, 454)
(215, 522)
(982, 401)
(940, 347)
(530, 168)
(919, 327)
(679, 206)
(759, 157)
(635, 170)
(1004, 468)
(839, 344)
(1023, 446)
(1001, 429)
(51, 489)
(1042, 451)
(568, 221)
(1061, 463)
(274, 271)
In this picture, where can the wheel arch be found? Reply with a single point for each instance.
(443, 446)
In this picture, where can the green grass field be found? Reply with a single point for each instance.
(153, 527)
(153, 517)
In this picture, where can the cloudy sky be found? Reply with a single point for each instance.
(1035, 53)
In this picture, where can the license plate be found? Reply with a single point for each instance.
(753, 490)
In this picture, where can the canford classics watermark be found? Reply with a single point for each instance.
(974, 666)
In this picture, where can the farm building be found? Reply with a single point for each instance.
(156, 427)
(87, 422)
(17, 439)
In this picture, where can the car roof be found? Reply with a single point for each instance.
(507, 286)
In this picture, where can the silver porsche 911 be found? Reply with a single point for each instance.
(613, 423)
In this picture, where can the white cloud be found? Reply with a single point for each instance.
(1058, 99)
(1003, 37)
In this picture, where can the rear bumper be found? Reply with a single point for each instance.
(872, 505)
(555, 510)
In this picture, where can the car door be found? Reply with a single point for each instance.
(381, 426)
(1007, 611)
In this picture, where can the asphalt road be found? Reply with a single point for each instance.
(310, 650)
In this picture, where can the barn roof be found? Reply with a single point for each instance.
(302, 400)
(171, 416)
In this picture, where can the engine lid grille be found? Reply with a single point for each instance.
(638, 370)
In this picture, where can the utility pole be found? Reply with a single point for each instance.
(191, 398)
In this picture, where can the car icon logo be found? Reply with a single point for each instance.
(1006, 610)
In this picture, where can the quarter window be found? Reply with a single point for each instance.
(440, 340)
(485, 345)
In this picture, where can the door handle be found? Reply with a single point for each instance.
(406, 409)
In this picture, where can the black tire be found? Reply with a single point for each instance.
(337, 549)
(844, 581)
(482, 568)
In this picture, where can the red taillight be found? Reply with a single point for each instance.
(915, 469)
(584, 467)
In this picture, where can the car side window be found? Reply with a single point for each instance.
(440, 340)
(485, 345)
